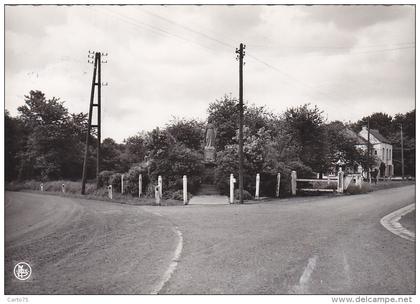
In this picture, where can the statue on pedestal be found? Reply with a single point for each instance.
(209, 149)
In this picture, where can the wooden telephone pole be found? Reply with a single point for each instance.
(96, 81)
(368, 147)
(240, 56)
(402, 152)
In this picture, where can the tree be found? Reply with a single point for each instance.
(308, 134)
(135, 150)
(15, 138)
(379, 121)
(111, 153)
(408, 122)
(187, 132)
(224, 115)
(53, 148)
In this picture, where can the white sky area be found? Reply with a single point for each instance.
(169, 61)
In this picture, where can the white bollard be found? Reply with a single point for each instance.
(278, 185)
(157, 195)
(340, 181)
(110, 191)
(257, 187)
(232, 189)
(185, 189)
(140, 185)
(42, 187)
(63, 189)
(160, 185)
(359, 180)
(293, 179)
(122, 183)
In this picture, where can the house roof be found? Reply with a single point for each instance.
(379, 136)
(353, 135)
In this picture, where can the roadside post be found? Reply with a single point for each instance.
(232, 189)
(110, 191)
(184, 189)
(294, 177)
(340, 183)
(278, 185)
(140, 185)
(257, 187)
(160, 185)
(122, 183)
(359, 180)
(63, 189)
(157, 195)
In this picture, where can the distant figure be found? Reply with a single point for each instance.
(210, 135)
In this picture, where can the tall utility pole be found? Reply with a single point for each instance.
(368, 128)
(402, 152)
(240, 56)
(96, 81)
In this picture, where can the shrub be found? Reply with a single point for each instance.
(104, 178)
(173, 164)
(324, 185)
(227, 163)
(150, 190)
(301, 169)
(246, 195)
(353, 189)
(131, 179)
(115, 181)
(179, 195)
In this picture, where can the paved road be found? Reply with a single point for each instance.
(84, 246)
(328, 245)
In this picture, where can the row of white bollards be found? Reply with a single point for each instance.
(232, 182)
(159, 188)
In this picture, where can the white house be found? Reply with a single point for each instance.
(382, 149)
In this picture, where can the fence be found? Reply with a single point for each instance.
(338, 180)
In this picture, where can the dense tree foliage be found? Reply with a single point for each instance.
(50, 143)
(46, 142)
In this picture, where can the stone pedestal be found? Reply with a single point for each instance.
(209, 154)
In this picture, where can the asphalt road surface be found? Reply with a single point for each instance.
(317, 245)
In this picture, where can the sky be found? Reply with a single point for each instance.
(172, 61)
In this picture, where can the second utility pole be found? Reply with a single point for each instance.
(402, 153)
(241, 55)
(368, 148)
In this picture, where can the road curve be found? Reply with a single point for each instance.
(84, 246)
(320, 245)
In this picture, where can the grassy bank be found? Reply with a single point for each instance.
(73, 189)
